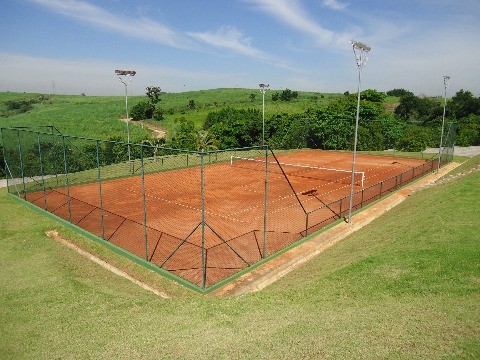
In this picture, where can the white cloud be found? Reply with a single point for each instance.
(139, 28)
(292, 13)
(334, 4)
(228, 37)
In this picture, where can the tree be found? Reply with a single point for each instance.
(235, 127)
(191, 104)
(205, 141)
(153, 93)
(397, 92)
(373, 95)
(463, 104)
(184, 135)
(142, 110)
(413, 107)
(469, 131)
(285, 95)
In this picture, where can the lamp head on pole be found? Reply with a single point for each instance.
(263, 87)
(446, 81)
(125, 73)
(360, 50)
(360, 46)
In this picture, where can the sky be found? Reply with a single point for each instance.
(75, 46)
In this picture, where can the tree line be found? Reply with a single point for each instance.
(414, 125)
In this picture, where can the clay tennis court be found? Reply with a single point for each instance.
(241, 216)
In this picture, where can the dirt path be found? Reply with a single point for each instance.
(158, 131)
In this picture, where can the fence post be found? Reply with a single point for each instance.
(340, 213)
(202, 189)
(66, 178)
(99, 176)
(41, 171)
(5, 160)
(145, 232)
(21, 165)
(265, 202)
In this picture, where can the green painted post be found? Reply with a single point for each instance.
(4, 156)
(145, 232)
(265, 202)
(306, 223)
(66, 178)
(202, 188)
(41, 171)
(21, 165)
(340, 214)
(99, 174)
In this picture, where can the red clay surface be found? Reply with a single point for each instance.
(169, 233)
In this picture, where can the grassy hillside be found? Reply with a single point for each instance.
(98, 116)
(405, 287)
(89, 116)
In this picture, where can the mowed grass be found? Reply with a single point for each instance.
(405, 287)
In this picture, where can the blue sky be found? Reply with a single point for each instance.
(183, 45)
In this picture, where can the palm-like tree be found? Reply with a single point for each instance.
(205, 141)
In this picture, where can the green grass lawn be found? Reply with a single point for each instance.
(98, 116)
(405, 287)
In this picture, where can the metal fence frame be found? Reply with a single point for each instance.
(50, 163)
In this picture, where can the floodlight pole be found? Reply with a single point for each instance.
(446, 80)
(130, 74)
(263, 89)
(360, 51)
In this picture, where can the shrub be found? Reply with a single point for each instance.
(143, 110)
(158, 113)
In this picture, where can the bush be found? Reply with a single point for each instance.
(143, 110)
(158, 113)
(397, 92)
(373, 95)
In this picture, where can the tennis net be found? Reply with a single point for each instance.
(301, 170)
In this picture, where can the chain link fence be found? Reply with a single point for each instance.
(201, 216)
